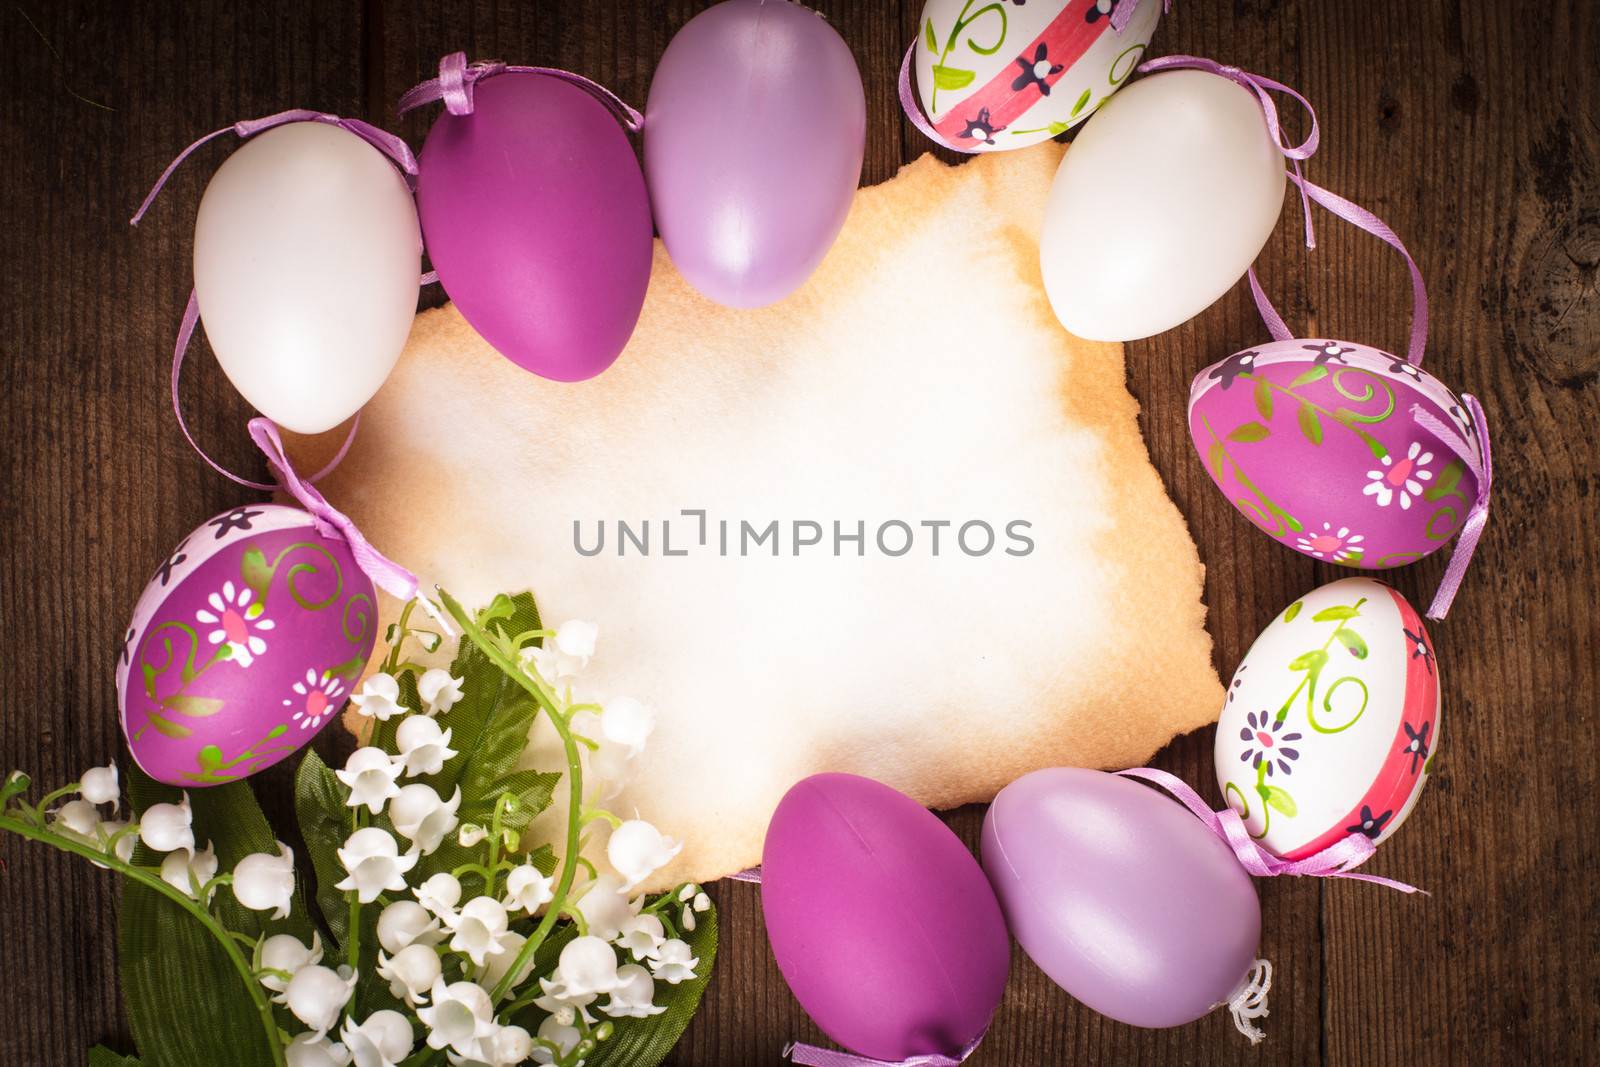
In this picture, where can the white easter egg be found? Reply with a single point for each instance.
(1160, 206)
(306, 260)
(996, 76)
(1331, 721)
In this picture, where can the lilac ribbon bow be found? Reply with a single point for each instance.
(1483, 470)
(1335, 861)
(457, 77)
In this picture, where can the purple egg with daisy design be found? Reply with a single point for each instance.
(244, 645)
(1335, 449)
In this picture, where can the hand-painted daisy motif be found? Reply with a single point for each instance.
(164, 572)
(1235, 365)
(239, 621)
(1369, 824)
(237, 519)
(1265, 743)
(1403, 478)
(1100, 9)
(1036, 71)
(1339, 546)
(1329, 352)
(1416, 744)
(1406, 367)
(980, 129)
(1420, 649)
(316, 698)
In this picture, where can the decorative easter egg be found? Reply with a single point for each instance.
(536, 218)
(1120, 895)
(754, 134)
(881, 920)
(306, 259)
(246, 643)
(994, 76)
(1315, 442)
(1331, 721)
(1160, 206)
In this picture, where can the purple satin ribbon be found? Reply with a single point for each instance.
(1478, 516)
(1335, 861)
(812, 1056)
(457, 77)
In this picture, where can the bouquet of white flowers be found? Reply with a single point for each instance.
(437, 931)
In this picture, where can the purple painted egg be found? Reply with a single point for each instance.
(535, 215)
(1315, 443)
(754, 134)
(881, 920)
(1121, 895)
(246, 643)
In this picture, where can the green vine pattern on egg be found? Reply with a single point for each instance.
(1265, 512)
(952, 78)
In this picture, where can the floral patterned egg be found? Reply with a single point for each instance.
(1332, 720)
(995, 75)
(245, 643)
(1315, 442)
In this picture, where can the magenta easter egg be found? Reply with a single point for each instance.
(1121, 896)
(881, 920)
(754, 134)
(246, 642)
(1316, 443)
(1332, 720)
(535, 215)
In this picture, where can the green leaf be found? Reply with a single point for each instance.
(194, 707)
(1353, 641)
(1309, 661)
(1249, 431)
(1310, 425)
(1082, 102)
(1445, 484)
(1278, 799)
(1294, 610)
(952, 77)
(1059, 128)
(149, 673)
(1263, 398)
(319, 806)
(928, 36)
(1337, 613)
(255, 572)
(100, 1056)
(210, 758)
(1219, 452)
(1315, 374)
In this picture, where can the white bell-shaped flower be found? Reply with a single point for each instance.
(102, 785)
(424, 746)
(527, 889)
(510, 1045)
(379, 697)
(637, 850)
(498, 964)
(641, 935)
(371, 775)
(188, 871)
(562, 1002)
(562, 1036)
(404, 923)
(605, 907)
(110, 831)
(421, 817)
(309, 1050)
(439, 691)
(628, 723)
(168, 827)
(374, 863)
(264, 882)
(478, 928)
(471, 834)
(563, 656)
(587, 965)
(674, 962)
(317, 995)
(78, 820)
(458, 1016)
(382, 1041)
(576, 638)
(701, 901)
(634, 994)
(410, 972)
(440, 894)
(286, 953)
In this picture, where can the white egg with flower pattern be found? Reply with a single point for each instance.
(1331, 721)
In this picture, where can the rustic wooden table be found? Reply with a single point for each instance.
(1471, 125)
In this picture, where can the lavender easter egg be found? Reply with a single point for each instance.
(1332, 720)
(1120, 895)
(881, 920)
(754, 134)
(535, 215)
(246, 642)
(998, 76)
(1315, 442)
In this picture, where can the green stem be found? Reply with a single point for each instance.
(201, 915)
(353, 938)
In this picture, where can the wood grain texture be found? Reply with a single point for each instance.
(1471, 127)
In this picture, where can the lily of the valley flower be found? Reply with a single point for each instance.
(674, 962)
(587, 965)
(421, 817)
(410, 972)
(563, 656)
(471, 834)
(439, 691)
(101, 785)
(124, 843)
(379, 697)
(317, 995)
(527, 889)
(423, 746)
(637, 850)
(440, 894)
(405, 923)
(563, 1036)
(495, 969)
(641, 935)
(478, 927)
(632, 998)
(168, 827)
(264, 882)
(374, 863)
(605, 907)
(370, 773)
(382, 1041)
(309, 1050)
(628, 723)
(508, 1045)
(76, 819)
(460, 1014)
(286, 953)
(187, 871)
